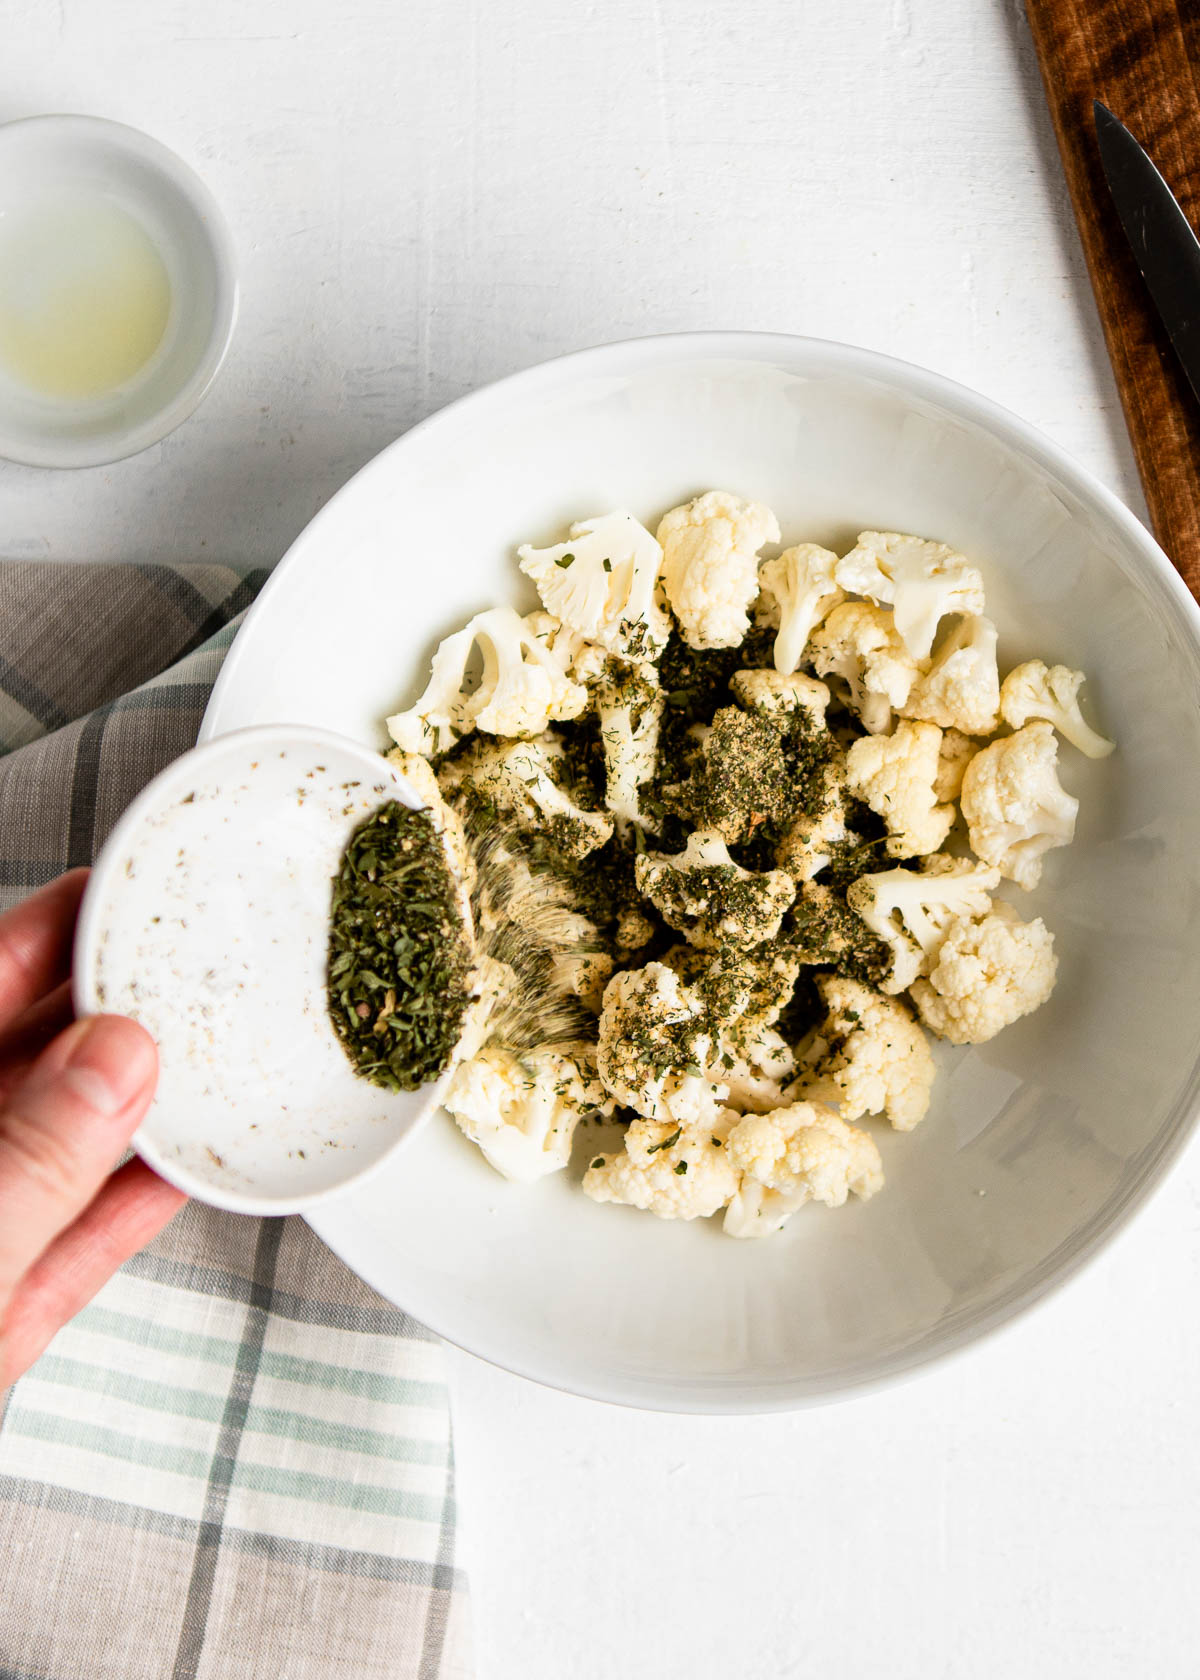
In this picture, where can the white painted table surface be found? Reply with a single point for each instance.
(428, 196)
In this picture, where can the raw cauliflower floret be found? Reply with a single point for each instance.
(961, 689)
(654, 1043)
(676, 1172)
(603, 583)
(859, 643)
(703, 893)
(629, 707)
(522, 689)
(874, 1057)
(955, 753)
(1015, 808)
(988, 973)
(799, 590)
(800, 1153)
(522, 1110)
(517, 777)
(1034, 690)
(922, 581)
(561, 642)
(894, 774)
(779, 696)
(912, 911)
(710, 565)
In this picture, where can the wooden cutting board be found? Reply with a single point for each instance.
(1142, 59)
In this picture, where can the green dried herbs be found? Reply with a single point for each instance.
(400, 957)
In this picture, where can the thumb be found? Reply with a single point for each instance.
(63, 1130)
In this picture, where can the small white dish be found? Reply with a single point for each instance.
(57, 167)
(206, 919)
(1039, 1145)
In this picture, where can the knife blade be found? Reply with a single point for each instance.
(1164, 244)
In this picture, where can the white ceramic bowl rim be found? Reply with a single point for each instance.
(1159, 578)
(119, 443)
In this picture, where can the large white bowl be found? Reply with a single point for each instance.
(1039, 1145)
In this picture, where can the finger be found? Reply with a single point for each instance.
(28, 1036)
(133, 1206)
(63, 1130)
(35, 943)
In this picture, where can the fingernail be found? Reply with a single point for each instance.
(110, 1063)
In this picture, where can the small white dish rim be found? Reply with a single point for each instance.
(157, 796)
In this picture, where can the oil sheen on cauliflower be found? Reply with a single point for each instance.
(703, 893)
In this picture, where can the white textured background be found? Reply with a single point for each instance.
(426, 196)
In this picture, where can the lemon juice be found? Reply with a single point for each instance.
(84, 298)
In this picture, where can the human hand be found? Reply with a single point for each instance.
(71, 1096)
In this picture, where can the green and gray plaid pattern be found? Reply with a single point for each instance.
(237, 1461)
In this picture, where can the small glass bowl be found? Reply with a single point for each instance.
(90, 157)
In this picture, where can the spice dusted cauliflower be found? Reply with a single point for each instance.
(674, 1171)
(522, 689)
(703, 893)
(1035, 690)
(988, 973)
(800, 1153)
(812, 840)
(603, 583)
(654, 1043)
(1015, 808)
(859, 643)
(629, 706)
(778, 796)
(710, 565)
(824, 931)
(517, 778)
(799, 589)
(522, 1109)
(911, 911)
(745, 994)
(894, 774)
(954, 754)
(961, 689)
(872, 1057)
(922, 581)
(754, 770)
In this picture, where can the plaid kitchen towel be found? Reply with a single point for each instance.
(237, 1461)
